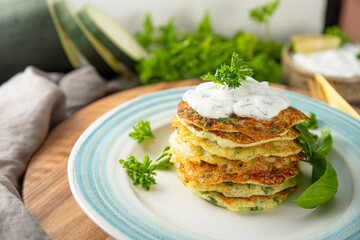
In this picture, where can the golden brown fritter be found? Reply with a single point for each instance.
(231, 139)
(257, 129)
(274, 148)
(206, 173)
(230, 189)
(260, 165)
(253, 203)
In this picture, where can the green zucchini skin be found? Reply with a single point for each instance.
(99, 34)
(71, 51)
(29, 37)
(79, 38)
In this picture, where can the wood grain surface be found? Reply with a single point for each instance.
(46, 191)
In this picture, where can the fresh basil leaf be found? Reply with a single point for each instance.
(320, 192)
(318, 163)
(313, 123)
(324, 143)
(307, 139)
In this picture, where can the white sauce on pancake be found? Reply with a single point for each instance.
(251, 99)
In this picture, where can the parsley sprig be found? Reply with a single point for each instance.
(324, 178)
(177, 54)
(231, 75)
(142, 131)
(263, 15)
(143, 172)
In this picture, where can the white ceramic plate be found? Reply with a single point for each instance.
(171, 211)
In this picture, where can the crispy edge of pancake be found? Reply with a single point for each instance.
(230, 189)
(260, 165)
(258, 129)
(237, 204)
(274, 148)
(233, 139)
(206, 173)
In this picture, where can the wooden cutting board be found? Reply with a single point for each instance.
(46, 191)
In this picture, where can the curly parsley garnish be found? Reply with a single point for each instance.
(231, 75)
(142, 131)
(143, 172)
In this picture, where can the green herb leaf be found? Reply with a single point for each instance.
(263, 14)
(336, 31)
(142, 131)
(307, 139)
(231, 75)
(211, 200)
(146, 38)
(313, 123)
(163, 161)
(168, 35)
(324, 143)
(358, 56)
(266, 68)
(191, 54)
(324, 178)
(143, 172)
(205, 27)
(140, 172)
(320, 192)
(319, 163)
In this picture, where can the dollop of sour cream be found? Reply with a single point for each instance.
(252, 99)
(339, 62)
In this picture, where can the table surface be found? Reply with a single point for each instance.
(46, 191)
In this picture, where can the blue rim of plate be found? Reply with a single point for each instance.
(120, 219)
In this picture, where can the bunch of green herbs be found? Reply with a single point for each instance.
(177, 55)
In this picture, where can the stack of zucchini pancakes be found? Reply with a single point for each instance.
(239, 163)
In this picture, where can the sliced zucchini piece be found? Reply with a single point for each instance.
(28, 37)
(89, 46)
(71, 51)
(112, 35)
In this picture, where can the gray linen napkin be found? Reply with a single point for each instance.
(31, 103)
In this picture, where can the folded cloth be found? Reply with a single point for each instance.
(31, 103)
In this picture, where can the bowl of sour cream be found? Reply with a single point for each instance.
(340, 66)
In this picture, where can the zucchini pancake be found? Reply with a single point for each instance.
(239, 159)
